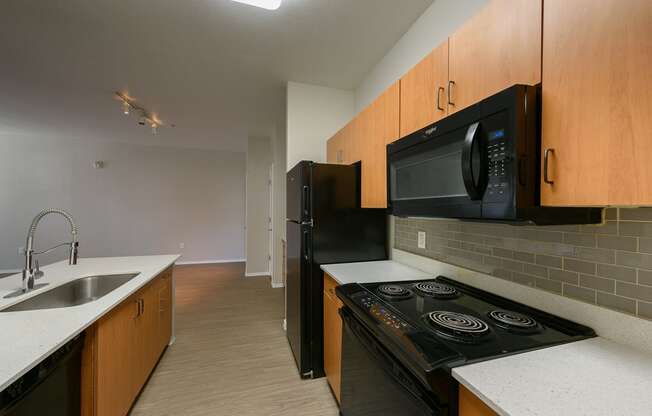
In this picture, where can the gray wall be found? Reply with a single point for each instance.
(609, 265)
(259, 161)
(147, 199)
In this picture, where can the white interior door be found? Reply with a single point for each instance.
(270, 224)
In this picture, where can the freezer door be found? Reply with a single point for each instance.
(298, 192)
(298, 294)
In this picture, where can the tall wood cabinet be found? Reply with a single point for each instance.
(123, 347)
(424, 92)
(597, 102)
(497, 48)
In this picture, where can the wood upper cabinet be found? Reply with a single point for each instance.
(497, 48)
(344, 148)
(597, 102)
(378, 125)
(123, 348)
(332, 336)
(471, 405)
(423, 92)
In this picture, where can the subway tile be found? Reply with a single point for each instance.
(512, 265)
(623, 274)
(645, 309)
(564, 276)
(565, 228)
(523, 256)
(616, 302)
(493, 261)
(580, 239)
(643, 261)
(599, 255)
(636, 214)
(645, 277)
(617, 243)
(629, 290)
(524, 279)
(462, 254)
(503, 274)
(501, 252)
(535, 270)
(580, 293)
(636, 229)
(493, 241)
(609, 227)
(645, 245)
(454, 243)
(549, 285)
(611, 213)
(549, 261)
(598, 283)
(579, 266)
(482, 250)
(547, 236)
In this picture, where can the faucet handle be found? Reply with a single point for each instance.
(37, 272)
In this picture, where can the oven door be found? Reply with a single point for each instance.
(374, 382)
(439, 176)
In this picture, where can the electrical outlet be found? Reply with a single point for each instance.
(421, 239)
(182, 245)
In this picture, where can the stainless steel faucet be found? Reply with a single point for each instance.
(31, 270)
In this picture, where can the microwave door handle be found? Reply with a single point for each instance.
(474, 187)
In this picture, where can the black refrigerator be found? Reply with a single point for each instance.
(325, 225)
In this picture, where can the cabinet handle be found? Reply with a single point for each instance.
(142, 308)
(450, 92)
(546, 157)
(138, 308)
(439, 91)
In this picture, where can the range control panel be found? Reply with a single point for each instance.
(384, 316)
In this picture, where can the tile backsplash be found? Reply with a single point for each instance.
(609, 265)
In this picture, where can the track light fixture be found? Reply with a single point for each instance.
(144, 117)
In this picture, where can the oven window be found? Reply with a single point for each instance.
(433, 173)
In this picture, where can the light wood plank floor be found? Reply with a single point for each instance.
(231, 356)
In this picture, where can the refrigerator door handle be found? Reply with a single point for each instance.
(306, 200)
(306, 252)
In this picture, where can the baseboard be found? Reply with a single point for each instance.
(189, 263)
(277, 285)
(256, 274)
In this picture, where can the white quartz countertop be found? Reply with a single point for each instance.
(28, 337)
(374, 271)
(593, 377)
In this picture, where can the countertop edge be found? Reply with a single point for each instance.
(167, 263)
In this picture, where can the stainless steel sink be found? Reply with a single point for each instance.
(73, 293)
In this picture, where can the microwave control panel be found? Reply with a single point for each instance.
(498, 154)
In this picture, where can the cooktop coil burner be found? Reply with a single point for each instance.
(513, 320)
(394, 292)
(458, 326)
(436, 290)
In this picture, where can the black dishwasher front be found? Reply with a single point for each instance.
(52, 388)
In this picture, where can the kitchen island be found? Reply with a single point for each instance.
(28, 337)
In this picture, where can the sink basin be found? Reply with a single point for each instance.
(73, 293)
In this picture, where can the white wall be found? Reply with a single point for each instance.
(147, 199)
(259, 160)
(278, 217)
(314, 114)
(432, 28)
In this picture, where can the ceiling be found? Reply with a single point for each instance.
(217, 69)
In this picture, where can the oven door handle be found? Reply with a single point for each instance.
(474, 166)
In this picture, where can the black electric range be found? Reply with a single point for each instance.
(401, 340)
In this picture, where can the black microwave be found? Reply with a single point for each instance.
(480, 163)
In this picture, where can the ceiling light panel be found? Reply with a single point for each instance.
(265, 4)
